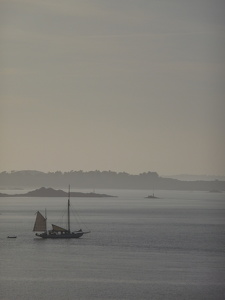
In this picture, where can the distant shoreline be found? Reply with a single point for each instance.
(103, 180)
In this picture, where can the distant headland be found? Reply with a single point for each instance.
(151, 181)
(49, 192)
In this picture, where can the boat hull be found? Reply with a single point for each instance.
(74, 235)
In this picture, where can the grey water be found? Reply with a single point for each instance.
(167, 248)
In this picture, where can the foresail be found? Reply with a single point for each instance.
(58, 228)
(40, 223)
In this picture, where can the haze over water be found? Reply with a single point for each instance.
(138, 248)
(132, 86)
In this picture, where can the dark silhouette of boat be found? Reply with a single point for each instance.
(56, 232)
(11, 236)
(152, 196)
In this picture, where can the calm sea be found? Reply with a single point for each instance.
(138, 248)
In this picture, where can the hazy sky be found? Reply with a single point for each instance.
(120, 85)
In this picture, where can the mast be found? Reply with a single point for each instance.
(46, 219)
(68, 212)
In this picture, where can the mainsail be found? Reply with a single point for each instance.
(58, 228)
(40, 223)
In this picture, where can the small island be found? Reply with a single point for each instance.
(50, 192)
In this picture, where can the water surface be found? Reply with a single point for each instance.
(138, 248)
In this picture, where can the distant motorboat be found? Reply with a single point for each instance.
(11, 236)
(151, 196)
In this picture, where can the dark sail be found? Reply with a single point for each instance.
(40, 223)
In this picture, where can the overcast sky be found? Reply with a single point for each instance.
(120, 85)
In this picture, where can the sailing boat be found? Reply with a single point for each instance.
(56, 232)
